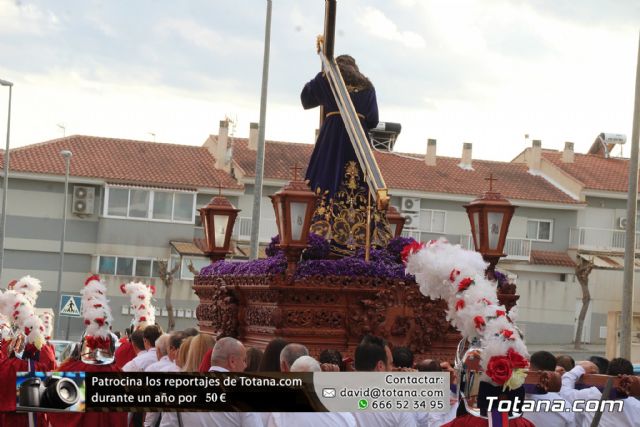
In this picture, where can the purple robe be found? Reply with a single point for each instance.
(333, 148)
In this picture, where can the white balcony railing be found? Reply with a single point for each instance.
(242, 229)
(599, 239)
(517, 249)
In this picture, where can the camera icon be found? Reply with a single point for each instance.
(328, 392)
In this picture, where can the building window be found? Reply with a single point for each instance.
(432, 220)
(198, 264)
(127, 266)
(167, 206)
(540, 229)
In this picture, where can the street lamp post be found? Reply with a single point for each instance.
(66, 154)
(5, 186)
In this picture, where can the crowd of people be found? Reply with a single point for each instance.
(150, 350)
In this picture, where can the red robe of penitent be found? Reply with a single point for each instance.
(124, 353)
(8, 369)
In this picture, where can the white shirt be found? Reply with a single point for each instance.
(628, 417)
(548, 418)
(141, 361)
(163, 365)
(311, 419)
(385, 419)
(436, 419)
(214, 419)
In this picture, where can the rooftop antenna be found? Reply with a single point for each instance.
(152, 134)
(233, 122)
(64, 129)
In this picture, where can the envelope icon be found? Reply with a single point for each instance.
(328, 392)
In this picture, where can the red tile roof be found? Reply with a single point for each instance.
(559, 259)
(409, 172)
(595, 172)
(124, 161)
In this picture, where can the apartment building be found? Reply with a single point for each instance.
(130, 205)
(145, 197)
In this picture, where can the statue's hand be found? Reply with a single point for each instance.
(319, 43)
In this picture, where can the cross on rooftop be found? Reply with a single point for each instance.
(491, 179)
(295, 170)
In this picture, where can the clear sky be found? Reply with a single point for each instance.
(480, 71)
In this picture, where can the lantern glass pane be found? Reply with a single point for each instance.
(298, 210)
(495, 222)
(394, 227)
(220, 223)
(476, 229)
(280, 216)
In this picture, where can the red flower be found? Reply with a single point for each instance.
(153, 289)
(454, 273)
(16, 305)
(508, 334)
(143, 319)
(99, 321)
(140, 307)
(499, 369)
(517, 360)
(27, 330)
(485, 301)
(141, 296)
(91, 278)
(500, 313)
(87, 322)
(459, 304)
(465, 283)
(479, 322)
(97, 305)
(409, 249)
(122, 288)
(98, 342)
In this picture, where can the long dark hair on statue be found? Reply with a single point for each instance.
(353, 78)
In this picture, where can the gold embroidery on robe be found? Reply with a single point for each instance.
(343, 219)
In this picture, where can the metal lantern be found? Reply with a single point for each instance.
(294, 205)
(218, 218)
(396, 221)
(490, 216)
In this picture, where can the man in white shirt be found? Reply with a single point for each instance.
(289, 354)
(545, 361)
(229, 355)
(630, 414)
(310, 419)
(147, 355)
(164, 364)
(373, 354)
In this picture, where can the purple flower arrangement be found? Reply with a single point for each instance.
(384, 262)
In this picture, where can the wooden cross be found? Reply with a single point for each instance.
(491, 179)
(295, 170)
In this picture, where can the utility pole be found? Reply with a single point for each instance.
(257, 188)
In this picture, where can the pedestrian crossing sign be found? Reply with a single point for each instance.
(70, 305)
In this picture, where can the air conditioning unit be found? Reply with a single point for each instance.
(410, 204)
(622, 223)
(412, 221)
(83, 200)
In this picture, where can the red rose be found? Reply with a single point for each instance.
(465, 283)
(153, 289)
(500, 313)
(517, 360)
(409, 249)
(460, 304)
(143, 319)
(499, 369)
(99, 321)
(122, 289)
(479, 322)
(507, 334)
